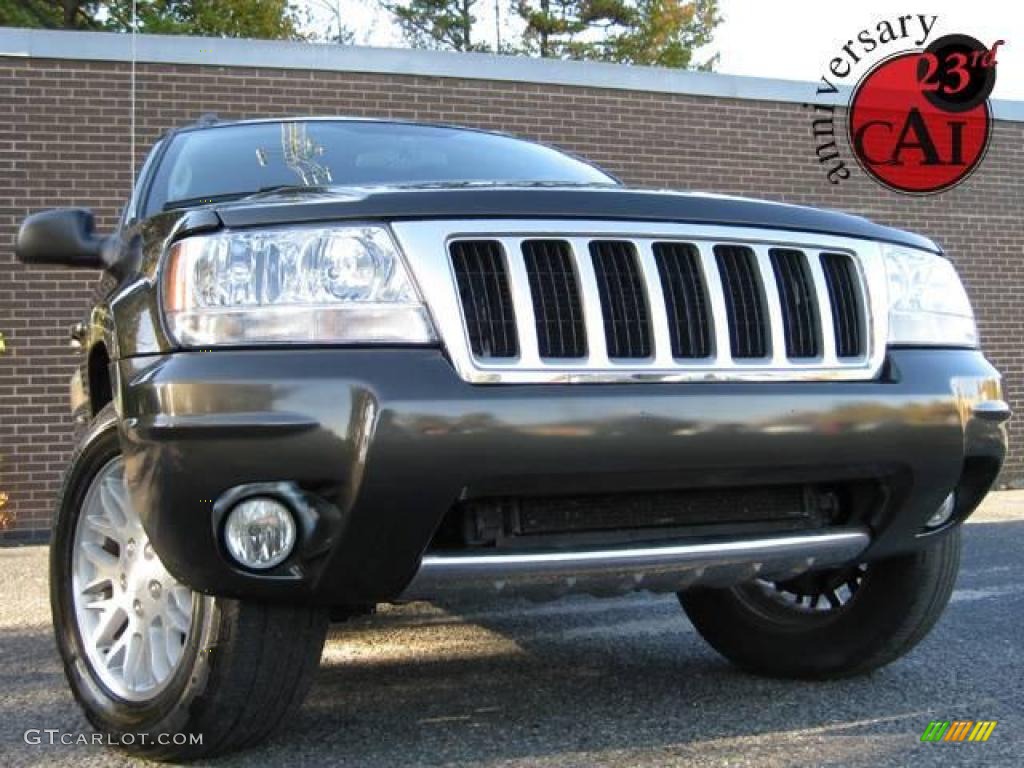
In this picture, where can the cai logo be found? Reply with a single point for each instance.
(959, 730)
(919, 119)
(920, 122)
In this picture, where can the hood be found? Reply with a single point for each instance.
(462, 201)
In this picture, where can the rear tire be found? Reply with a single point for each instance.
(802, 628)
(234, 671)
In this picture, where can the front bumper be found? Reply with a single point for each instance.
(387, 440)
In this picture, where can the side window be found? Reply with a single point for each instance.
(131, 211)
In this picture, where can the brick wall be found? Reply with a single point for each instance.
(65, 142)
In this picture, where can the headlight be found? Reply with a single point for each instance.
(309, 284)
(927, 302)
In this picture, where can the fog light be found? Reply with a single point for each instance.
(259, 532)
(943, 513)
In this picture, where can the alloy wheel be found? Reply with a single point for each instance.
(133, 617)
(816, 593)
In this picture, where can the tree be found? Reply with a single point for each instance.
(50, 14)
(663, 33)
(656, 32)
(341, 34)
(551, 26)
(264, 19)
(444, 24)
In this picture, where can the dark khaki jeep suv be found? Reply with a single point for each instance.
(347, 362)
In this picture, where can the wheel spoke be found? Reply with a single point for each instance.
(177, 620)
(104, 527)
(107, 628)
(175, 641)
(99, 585)
(160, 660)
(116, 654)
(113, 499)
(101, 604)
(134, 655)
(99, 557)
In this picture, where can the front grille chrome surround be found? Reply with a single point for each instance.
(665, 311)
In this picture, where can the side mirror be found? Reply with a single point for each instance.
(63, 236)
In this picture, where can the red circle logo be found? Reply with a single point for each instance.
(919, 122)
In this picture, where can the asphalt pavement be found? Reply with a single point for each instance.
(587, 682)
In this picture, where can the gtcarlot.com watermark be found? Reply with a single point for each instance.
(57, 737)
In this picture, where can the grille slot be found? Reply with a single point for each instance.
(555, 292)
(796, 294)
(686, 300)
(623, 302)
(841, 281)
(744, 301)
(482, 280)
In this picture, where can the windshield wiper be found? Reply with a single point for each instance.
(189, 202)
(286, 189)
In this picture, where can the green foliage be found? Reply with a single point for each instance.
(551, 26)
(264, 19)
(444, 24)
(50, 14)
(656, 32)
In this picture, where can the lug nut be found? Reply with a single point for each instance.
(130, 548)
(137, 607)
(147, 551)
(155, 589)
(123, 581)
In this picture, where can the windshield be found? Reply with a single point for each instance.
(236, 160)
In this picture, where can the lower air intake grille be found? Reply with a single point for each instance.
(744, 301)
(623, 304)
(486, 302)
(553, 521)
(556, 299)
(842, 293)
(796, 295)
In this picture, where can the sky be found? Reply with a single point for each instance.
(787, 39)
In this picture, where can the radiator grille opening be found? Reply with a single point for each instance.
(555, 522)
(796, 295)
(686, 300)
(558, 302)
(623, 302)
(744, 301)
(555, 292)
(841, 281)
(486, 301)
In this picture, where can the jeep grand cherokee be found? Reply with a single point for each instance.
(347, 362)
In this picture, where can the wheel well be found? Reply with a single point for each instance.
(100, 392)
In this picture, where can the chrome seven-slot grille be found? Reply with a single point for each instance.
(486, 297)
(534, 304)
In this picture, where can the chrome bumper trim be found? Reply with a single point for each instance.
(662, 568)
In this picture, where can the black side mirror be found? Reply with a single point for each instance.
(64, 236)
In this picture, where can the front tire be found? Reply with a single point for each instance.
(165, 672)
(833, 623)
